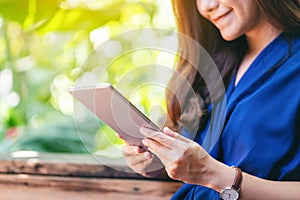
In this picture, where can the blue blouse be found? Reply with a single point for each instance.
(261, 129)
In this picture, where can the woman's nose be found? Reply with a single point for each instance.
(207, 5)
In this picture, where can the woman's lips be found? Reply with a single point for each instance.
(216, 19)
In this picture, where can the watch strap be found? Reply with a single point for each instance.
(237, 179)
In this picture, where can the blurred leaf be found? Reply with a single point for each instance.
(87, 19)
(40, 11)
(29, 12)
(78, 19)
(58, 136)
(51, 139)
(46, 16)
(15, 10)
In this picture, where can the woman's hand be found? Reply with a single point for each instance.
(184, 159)
(141, 161)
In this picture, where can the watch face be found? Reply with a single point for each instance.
(229, 194)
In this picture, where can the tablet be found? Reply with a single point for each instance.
(111, 107)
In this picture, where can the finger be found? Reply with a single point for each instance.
(153, 145)
(163, 139)
(173, 134)
(142, 167)
(135, 154)
(129, 150)
(165, 154)
(134, 161)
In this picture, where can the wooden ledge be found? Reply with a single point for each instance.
(24, 187)
(68, 176)
(77, 165)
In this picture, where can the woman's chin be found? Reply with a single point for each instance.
(229, 36)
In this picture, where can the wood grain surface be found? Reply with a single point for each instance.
(64, 176)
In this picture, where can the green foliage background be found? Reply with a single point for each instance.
(43, 46)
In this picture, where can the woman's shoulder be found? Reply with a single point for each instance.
(294, 44)
(291, 62)
(294, 55)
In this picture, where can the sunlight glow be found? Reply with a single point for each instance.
(112, 49)
(25, 154)
(12, 99)
(100, 35)
(6, 82)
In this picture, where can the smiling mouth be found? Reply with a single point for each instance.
(218, 18)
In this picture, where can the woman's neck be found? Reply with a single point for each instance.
(257, 40)
(260, 37)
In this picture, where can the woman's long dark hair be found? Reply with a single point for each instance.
(227, 55)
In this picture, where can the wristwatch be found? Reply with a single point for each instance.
(232, 193)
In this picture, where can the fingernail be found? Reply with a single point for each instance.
(165, 128)
(143, 130)
(136, 149)
(145, 142)
(147, 155)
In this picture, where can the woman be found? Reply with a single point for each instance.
(255, 44)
